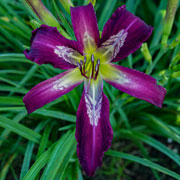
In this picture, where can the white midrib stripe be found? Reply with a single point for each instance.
(94, 126)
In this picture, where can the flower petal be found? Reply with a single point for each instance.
(51, 89)
(123, 34)
(49, 46)
(85, 26)
(135, 83)
(93, 130)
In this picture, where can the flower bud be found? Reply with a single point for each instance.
(43, 13)
(146, 53)
(169, 19)
(34, 24)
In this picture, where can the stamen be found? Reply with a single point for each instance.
(82, 69)
(94, 68)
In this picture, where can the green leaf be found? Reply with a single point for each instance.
(58, 156)
(143, 162)
(29, 151)
(38, 165)
(106, 12)
(17, 119)
(44, 158)
(6, 100)
(164, 128)
(19, 129)
(152, 142)
(56, 114)
(4, 171)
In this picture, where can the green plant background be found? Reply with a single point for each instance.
(146, 143)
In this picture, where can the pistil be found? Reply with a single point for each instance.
(97, 69)
(92, 60)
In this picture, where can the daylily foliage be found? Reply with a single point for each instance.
(89, 60)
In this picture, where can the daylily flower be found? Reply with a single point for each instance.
(89, 60)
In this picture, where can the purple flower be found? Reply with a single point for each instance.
(89, 60)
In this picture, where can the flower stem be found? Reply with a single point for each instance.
(158, 57)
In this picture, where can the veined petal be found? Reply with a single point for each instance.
(49, 46)
(51, 89)
(85, 26)
(135, 83)
(93, 130)
(122, 35)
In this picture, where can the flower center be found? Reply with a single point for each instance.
(89, 67)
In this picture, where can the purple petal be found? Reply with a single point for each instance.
(123, 34)
(85, 26)
(51, 89)
(135, 83)
(49, 46)
(93, 130)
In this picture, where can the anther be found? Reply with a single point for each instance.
(92, 57)
(96, 67)
(81, 62)
(79, 66)
(98, 61)
(84, 59)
